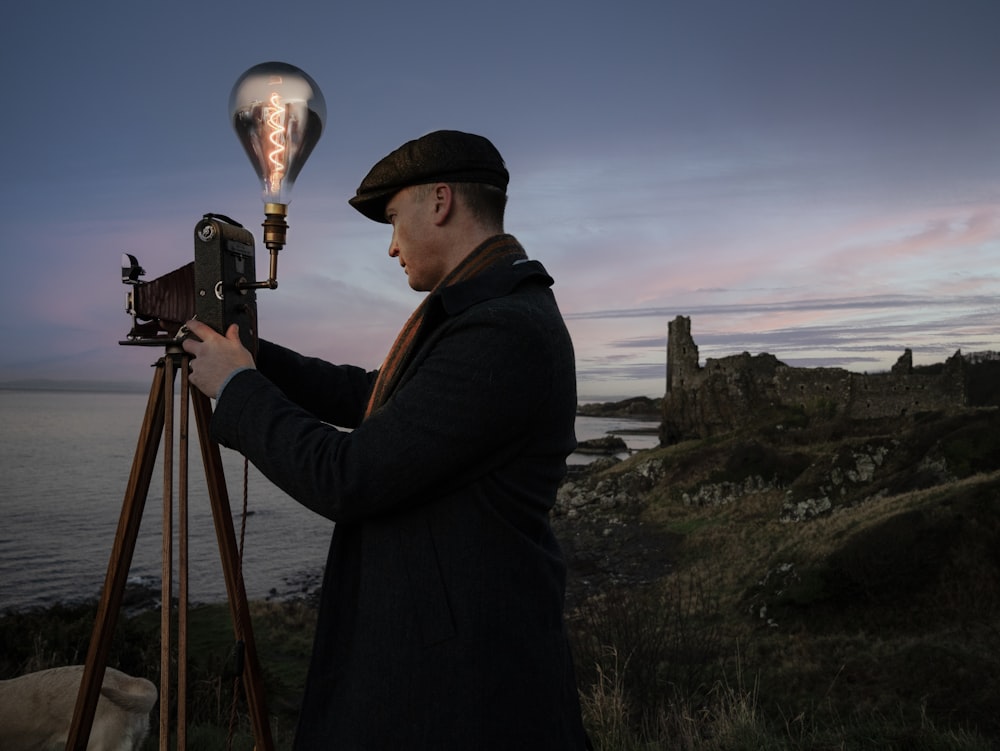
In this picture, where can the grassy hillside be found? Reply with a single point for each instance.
(826, 587)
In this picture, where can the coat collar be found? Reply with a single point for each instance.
(498, 281)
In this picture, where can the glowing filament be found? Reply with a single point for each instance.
(276, 122)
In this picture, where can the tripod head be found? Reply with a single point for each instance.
(217, 288)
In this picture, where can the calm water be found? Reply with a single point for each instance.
(65, 458)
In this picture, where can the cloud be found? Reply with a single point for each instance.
(891, 302)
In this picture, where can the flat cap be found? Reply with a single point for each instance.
(441, 156)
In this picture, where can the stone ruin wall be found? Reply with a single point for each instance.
(730, 392)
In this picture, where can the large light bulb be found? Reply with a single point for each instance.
(278, 113)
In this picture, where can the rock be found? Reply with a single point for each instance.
(609, 444)
(641, 407)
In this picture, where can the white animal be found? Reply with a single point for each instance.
(36, 710)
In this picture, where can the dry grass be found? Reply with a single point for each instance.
(874, 626)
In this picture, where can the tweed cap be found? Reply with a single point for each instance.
(441, 156)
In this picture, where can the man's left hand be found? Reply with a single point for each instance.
(215, 356)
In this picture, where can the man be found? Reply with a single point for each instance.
(440, 623)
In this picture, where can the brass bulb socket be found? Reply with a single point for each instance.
(275, 226)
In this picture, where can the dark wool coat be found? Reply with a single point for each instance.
(440, 624)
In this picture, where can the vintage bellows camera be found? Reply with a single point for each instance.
(218, 287)
(278, 113)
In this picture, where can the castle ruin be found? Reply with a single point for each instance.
(735, 391)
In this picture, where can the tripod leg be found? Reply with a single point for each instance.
(118, 567)
(167, 550)
(222, 515)
(182, 549)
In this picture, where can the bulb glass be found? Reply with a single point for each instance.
(278, 113)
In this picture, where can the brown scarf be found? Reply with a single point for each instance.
(496, 250)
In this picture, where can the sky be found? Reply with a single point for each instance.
(816, 179)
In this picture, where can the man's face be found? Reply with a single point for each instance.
(411, 213)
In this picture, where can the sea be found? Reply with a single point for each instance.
(65, 459)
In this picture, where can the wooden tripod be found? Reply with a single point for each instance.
(158, 421)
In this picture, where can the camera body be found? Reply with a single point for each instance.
(223, 271)
(217, 288)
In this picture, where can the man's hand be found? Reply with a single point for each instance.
(215, 356)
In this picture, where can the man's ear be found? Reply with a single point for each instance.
(444, 202)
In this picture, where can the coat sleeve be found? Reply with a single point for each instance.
(337, 394)
(472, 395)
